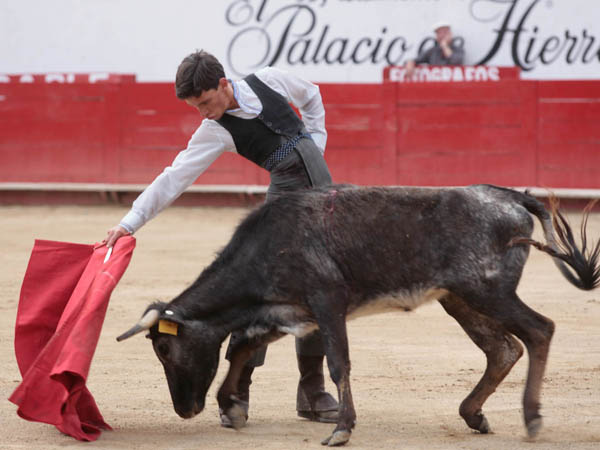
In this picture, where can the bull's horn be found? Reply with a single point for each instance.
(149, 319)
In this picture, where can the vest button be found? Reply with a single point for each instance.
(269, 123)
(278, 131)
(260, 116)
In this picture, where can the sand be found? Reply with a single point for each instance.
(410, 371)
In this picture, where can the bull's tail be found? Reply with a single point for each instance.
(582, 259)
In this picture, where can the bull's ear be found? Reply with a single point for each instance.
(168, 327)
(172, 315)
(170, 322)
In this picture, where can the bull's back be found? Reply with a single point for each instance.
(407, 240)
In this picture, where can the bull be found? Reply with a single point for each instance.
(315, 259)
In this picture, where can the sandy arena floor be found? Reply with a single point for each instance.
(410, 370)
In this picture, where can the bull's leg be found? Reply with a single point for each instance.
(234, 408)
(535, 331)
(502, 351)
(332, 323)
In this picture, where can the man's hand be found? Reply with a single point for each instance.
(445, 42)
(114, 234)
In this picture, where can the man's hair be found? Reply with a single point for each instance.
(197, 73)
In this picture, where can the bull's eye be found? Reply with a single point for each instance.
(163, 349)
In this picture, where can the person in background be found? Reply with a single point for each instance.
(443, 53)
(253, 118)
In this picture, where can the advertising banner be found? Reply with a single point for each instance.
(336, 41)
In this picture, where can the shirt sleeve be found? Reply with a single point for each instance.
(424, 57)
(304, 95)
(203, 148)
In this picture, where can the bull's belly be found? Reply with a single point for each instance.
(294, 321)
(397, 301)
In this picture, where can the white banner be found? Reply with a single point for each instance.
(323, 40)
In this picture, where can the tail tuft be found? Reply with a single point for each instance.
(582, 259)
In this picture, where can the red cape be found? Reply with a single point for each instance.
(63, 303)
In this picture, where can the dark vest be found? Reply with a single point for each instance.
(255, 139)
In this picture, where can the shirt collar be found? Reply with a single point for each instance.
(236, 95)
(244, 97)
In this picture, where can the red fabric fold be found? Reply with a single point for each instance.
(62, 306)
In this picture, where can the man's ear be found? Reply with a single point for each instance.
(223, 82)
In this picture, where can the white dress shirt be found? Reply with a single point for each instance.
(210, 140)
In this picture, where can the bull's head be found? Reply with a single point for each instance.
(188, 351)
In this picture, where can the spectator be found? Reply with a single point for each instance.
(444, 52)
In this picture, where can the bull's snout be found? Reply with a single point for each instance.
(189, 413)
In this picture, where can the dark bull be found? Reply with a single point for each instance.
(317, 258)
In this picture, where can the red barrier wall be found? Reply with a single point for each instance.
(361, 127)
(568, 134)
(53, 132)
(512, 132)
(466, 133)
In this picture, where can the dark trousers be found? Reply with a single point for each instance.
(304, 168)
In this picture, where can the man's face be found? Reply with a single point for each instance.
(443, 34)
(213, 103)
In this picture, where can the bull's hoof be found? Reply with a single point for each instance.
(476, 421)
(337, 438)
(225, 421)
(534, 427)
(484, 426)
(236, 416)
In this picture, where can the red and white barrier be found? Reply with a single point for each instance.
(451, 74)
(68, 78)
(79, 129)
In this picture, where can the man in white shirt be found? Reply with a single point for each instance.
(251, 117)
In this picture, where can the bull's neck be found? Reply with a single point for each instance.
(232, 319)
(221, 293)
